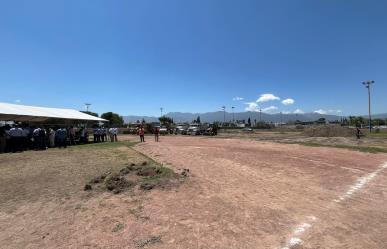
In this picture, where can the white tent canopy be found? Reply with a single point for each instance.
(19, 113)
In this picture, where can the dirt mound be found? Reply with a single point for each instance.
(329, 131)
(146, 176)
(117, 183)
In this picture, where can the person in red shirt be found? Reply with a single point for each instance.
(141, 132)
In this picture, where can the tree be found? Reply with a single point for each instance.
(166, 121)
(198, 120)
(90, 113)
(114, 118)
(249, 122)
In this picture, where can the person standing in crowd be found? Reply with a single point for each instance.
(36, 138)
(16, 134)
(157, 133)
(61, 137)
(111, 134)
(115, 134)
(42, 139)
(26, 138)
(3, 139)
(102, 134)
(95, 134)
(51, 137)
(105, 133)
(141, 132)
(72, 135)
(84, 135)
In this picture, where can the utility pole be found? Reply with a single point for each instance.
(368, 84)
(87, 106)
(233, 119)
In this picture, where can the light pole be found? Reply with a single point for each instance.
(233, 119)
(161, 111)
(368, 84)
(87, 106)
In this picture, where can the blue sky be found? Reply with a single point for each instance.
(133, 57)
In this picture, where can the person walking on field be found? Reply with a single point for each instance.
(141, 132)
(157, 133)
(358, 133)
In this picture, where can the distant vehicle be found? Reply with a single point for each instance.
(163, 130)
(247, 129)
(209, 132)
(193, 131)
(180, 130)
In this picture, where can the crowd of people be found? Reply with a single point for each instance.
(101, 134)
(18, 138)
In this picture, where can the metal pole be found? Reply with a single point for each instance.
(368, 86)
(369, 108)
(233, 119)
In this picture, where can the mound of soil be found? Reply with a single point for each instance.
(117, 183)
(146, 176)
(329, 131)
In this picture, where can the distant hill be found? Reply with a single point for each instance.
(381, 116)
(219, 116)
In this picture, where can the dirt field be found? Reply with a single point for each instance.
(376, 140)
(240, 194)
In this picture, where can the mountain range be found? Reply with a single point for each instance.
(209, 117)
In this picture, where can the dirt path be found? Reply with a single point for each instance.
(246, 194)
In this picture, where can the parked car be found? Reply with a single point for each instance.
(247, 129)
(163, 130)
(193, 131)
(180, 130)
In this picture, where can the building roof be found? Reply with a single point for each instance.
(23, 113)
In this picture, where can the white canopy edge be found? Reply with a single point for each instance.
(14, 112)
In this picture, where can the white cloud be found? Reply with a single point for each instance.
(270, 108)
(17, 100)
(237, 98)
(252, 107)
(334, 111)
(298, 111)
(267, 97)
(286, 112)
(288, 101)
(320, 111)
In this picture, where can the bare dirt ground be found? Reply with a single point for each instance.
(248, 194)
(299, 137)
(240, 194)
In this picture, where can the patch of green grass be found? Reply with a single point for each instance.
(163, 173)
(104, 145)
(377, 135)
(367, 149)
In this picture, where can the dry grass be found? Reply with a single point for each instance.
(59, 173)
